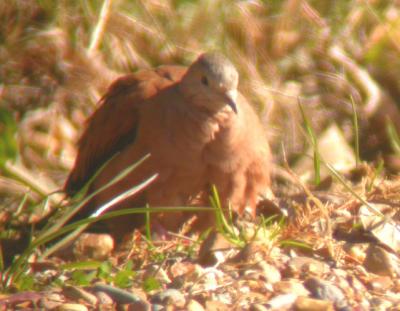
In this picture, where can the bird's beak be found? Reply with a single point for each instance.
(231, 97)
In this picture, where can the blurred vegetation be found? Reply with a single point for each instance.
(58, 57)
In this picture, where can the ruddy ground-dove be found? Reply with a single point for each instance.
(196, 126)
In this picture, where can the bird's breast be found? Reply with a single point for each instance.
(221, 150)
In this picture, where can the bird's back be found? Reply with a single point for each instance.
(114, 124)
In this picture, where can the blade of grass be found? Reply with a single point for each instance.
(265, 222)
(362, 200)
(224, 226)
(62, 220)
(15, 270)
(377, 171)
(81, 265)
(1, 258)
(18, 171)
(311, 134)
(215, 202)
(393, 136)
(221, 220)
(127, 211)
(356, 131)
(296, 244)
(148, 226)
(22, 203)
(130, 192)
(100, 26)
(268, 222)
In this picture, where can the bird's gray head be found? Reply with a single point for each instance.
(211, 82)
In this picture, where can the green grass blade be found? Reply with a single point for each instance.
(377, 172)
(297, 244)
(393, 136)
(148, 223)
(356, 131)
(101, 210)
(68, 215)
(221, 219)
(314, 143)
(349, 188)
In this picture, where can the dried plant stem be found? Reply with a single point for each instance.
(101, 24)
(361, 76)
(311, 197)
(40, 185)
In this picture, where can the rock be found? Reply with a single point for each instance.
(291, 287)
(251, 253)
(213, 249)
(396, 285)
(169, 297)
(194, 305)
(50, 301)
(280, 302)
(258, 307)
(213, 305)
(118, 295)
(157, 307)
(75, 293)
(380, 284)
(385, 231)
(381, 262)
(104, 299)
(309, 304)
(72, 307)
(93, 246)
(356, 250)
(22, 297)
(326, 291)
(358, 290)
(378, 303)
(48, 304)
(136, 306)
(270, 273)
(182, 269)
(305, 265)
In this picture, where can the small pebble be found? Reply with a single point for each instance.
(326, 291)
(75, 293)
(291, 286)
(270, 272)
(298, 266)
(214, 249)
(381, 262)
(282, 301)
(194, 305)
(309, 304)
(169, 296)
(93, 246)
(118, 295)
(72, 307)
(104, 299)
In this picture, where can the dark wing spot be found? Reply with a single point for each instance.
(204, 80)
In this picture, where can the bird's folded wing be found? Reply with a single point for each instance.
(114, 124)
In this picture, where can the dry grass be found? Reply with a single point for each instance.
(58, 57)
(57, 60)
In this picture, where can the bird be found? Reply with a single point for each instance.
(198, 130)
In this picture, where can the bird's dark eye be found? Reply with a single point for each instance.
(204, 80)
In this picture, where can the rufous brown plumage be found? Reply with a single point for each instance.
(196, 126)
